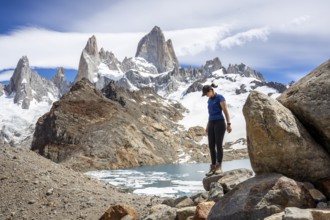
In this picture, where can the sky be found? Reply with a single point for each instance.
(282, 39)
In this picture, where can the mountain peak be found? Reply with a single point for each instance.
(19, 83)
(156, 29)
(153, 48)
(244, 70)
(91, 46)
(28, 85)
(213, 65)
(89, 61)
(60, 81)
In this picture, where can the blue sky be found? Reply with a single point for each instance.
(283, 39)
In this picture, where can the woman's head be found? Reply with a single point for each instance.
(208, 90)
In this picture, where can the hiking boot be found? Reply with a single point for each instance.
(218, 169)
(212, 170)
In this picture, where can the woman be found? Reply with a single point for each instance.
(216, 127)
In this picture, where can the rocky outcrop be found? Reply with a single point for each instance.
(235, 194)
(60, 82)
(157, 51)
(309, 100)
(278, 142)
(195, 87)
(110, 92)
(138, 80)
(138, 64)
(293, 213)
(203, 209)
(228, 179)
(167, 83)
(213, 65)
(89, 61)
(278, 86)
(19, 83)
(244, 70)
(86, 130)
(261, 196)
(28, 85)
(196, 133)
(110, 60)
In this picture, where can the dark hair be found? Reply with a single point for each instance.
(207, 88)
(213, 85)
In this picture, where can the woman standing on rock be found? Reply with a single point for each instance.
(216, 127)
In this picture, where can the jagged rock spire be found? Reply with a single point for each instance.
(110, 60)
(60, 81)
(213, 65)
(20, 83)
(245, 71)
(157, 51)
(24, 80)
(89, 61)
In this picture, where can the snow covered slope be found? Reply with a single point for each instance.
(17, 124)
(197, 114)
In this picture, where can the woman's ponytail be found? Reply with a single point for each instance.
(213, 85)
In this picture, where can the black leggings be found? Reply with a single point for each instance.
(215, 133)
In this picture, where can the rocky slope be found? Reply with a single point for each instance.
(33, 187)
(86, 130)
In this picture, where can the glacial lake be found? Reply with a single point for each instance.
(168, 180)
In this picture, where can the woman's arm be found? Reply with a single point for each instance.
(225, 111)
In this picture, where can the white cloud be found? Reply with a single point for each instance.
(46, 48)
(190, 42)
(300, 20)
(245, 37)
(6, 75)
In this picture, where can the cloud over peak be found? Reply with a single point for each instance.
(242, 38)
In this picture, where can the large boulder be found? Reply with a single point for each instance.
(261, 196)
(278, 142)
(309, 100)
(228, 179)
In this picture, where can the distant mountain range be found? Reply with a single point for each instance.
(28, 95)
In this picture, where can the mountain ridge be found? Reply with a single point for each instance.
(101, 67)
